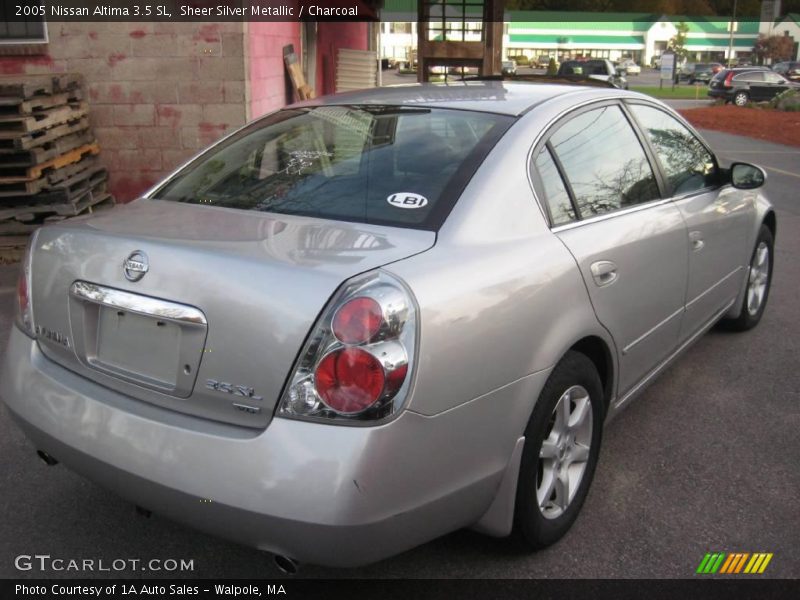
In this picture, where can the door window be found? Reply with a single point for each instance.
(604, 162)
(686, 162)
(773, 78)
(753, 77)
(555, 192)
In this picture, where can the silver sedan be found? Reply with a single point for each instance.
(366, 321)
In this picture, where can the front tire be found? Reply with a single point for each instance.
(741, 98)
(759, 279)
(562, 444)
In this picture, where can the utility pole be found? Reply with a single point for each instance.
(730, 39)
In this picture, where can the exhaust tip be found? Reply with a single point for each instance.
(286, 565)
(48, 460)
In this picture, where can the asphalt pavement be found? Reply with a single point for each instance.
(708, 459)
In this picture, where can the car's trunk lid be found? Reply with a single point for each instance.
(223, 301)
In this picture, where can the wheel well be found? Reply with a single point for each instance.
(596, 350)
(769, 221)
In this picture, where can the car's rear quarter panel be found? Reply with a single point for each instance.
(500, 297)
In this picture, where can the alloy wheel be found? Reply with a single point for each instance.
(758, 279)
(565, 452)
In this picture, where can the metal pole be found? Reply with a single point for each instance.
(379, 50)
(730, 39)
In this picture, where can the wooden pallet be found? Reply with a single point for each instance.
(27, 158)
(67, 209)
(54, 178)
(26, 86)
(89, 204)
(12, 247)
(9, 175)
(12, 106)
(42, 138)
(14, 126)
(28, 222)
(64, 191)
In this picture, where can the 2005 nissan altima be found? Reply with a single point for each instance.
(366, 321)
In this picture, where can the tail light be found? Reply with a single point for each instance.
(356, 364)
(728, 79)
(24, 316)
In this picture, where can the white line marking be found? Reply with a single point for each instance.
(782, 172)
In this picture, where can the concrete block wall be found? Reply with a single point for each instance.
(158, 92)
(265, 69)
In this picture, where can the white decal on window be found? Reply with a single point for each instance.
(407, 200)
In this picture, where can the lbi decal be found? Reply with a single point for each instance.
(407, 200)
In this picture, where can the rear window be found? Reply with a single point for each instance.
(370, 164)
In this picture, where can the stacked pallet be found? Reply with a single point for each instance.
(49, 169)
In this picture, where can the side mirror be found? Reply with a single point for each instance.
(745, 176)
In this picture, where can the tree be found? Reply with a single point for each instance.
(774, 47)
(678, 42)
(552, 67)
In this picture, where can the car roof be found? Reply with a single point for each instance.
(500, 97)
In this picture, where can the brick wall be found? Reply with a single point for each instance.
(158, 92)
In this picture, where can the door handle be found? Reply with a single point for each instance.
(696, 239)
(604, 272)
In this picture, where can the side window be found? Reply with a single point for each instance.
(773, 78)
(687, 163)
(603, 161)
(752, 77)
(555, 192)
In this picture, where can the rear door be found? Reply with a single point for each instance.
(605, 206)
(774, 84)
(753, 82)
(717, 218)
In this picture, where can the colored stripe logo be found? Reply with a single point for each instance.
(734, 563)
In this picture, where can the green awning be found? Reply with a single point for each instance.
(536, 38)
(738, 42)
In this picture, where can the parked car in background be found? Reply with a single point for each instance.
(509, 67)
(702, 72)
(748, 84)
(543, 61)
(629, 67)
(601, 69)
(789, 69)
(368, 320)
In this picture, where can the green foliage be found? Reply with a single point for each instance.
(788, 101)
(521, 60)
(678, 43)
(552, 67)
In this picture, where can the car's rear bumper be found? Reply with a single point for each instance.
(323, 494)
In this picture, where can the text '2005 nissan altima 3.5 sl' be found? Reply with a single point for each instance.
(368, 320)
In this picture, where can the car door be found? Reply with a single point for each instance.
(774, 85)
(753, 83)
(717, 217)
(604, 204)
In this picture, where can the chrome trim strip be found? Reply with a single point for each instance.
(610, 215)
(144, 305)
(667, 361)
(713, 287)
(627, 348)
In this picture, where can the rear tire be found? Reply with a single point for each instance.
(562, 444)
(759, 279)
(741, 98)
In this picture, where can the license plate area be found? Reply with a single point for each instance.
(143, 340)
(146, 347)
